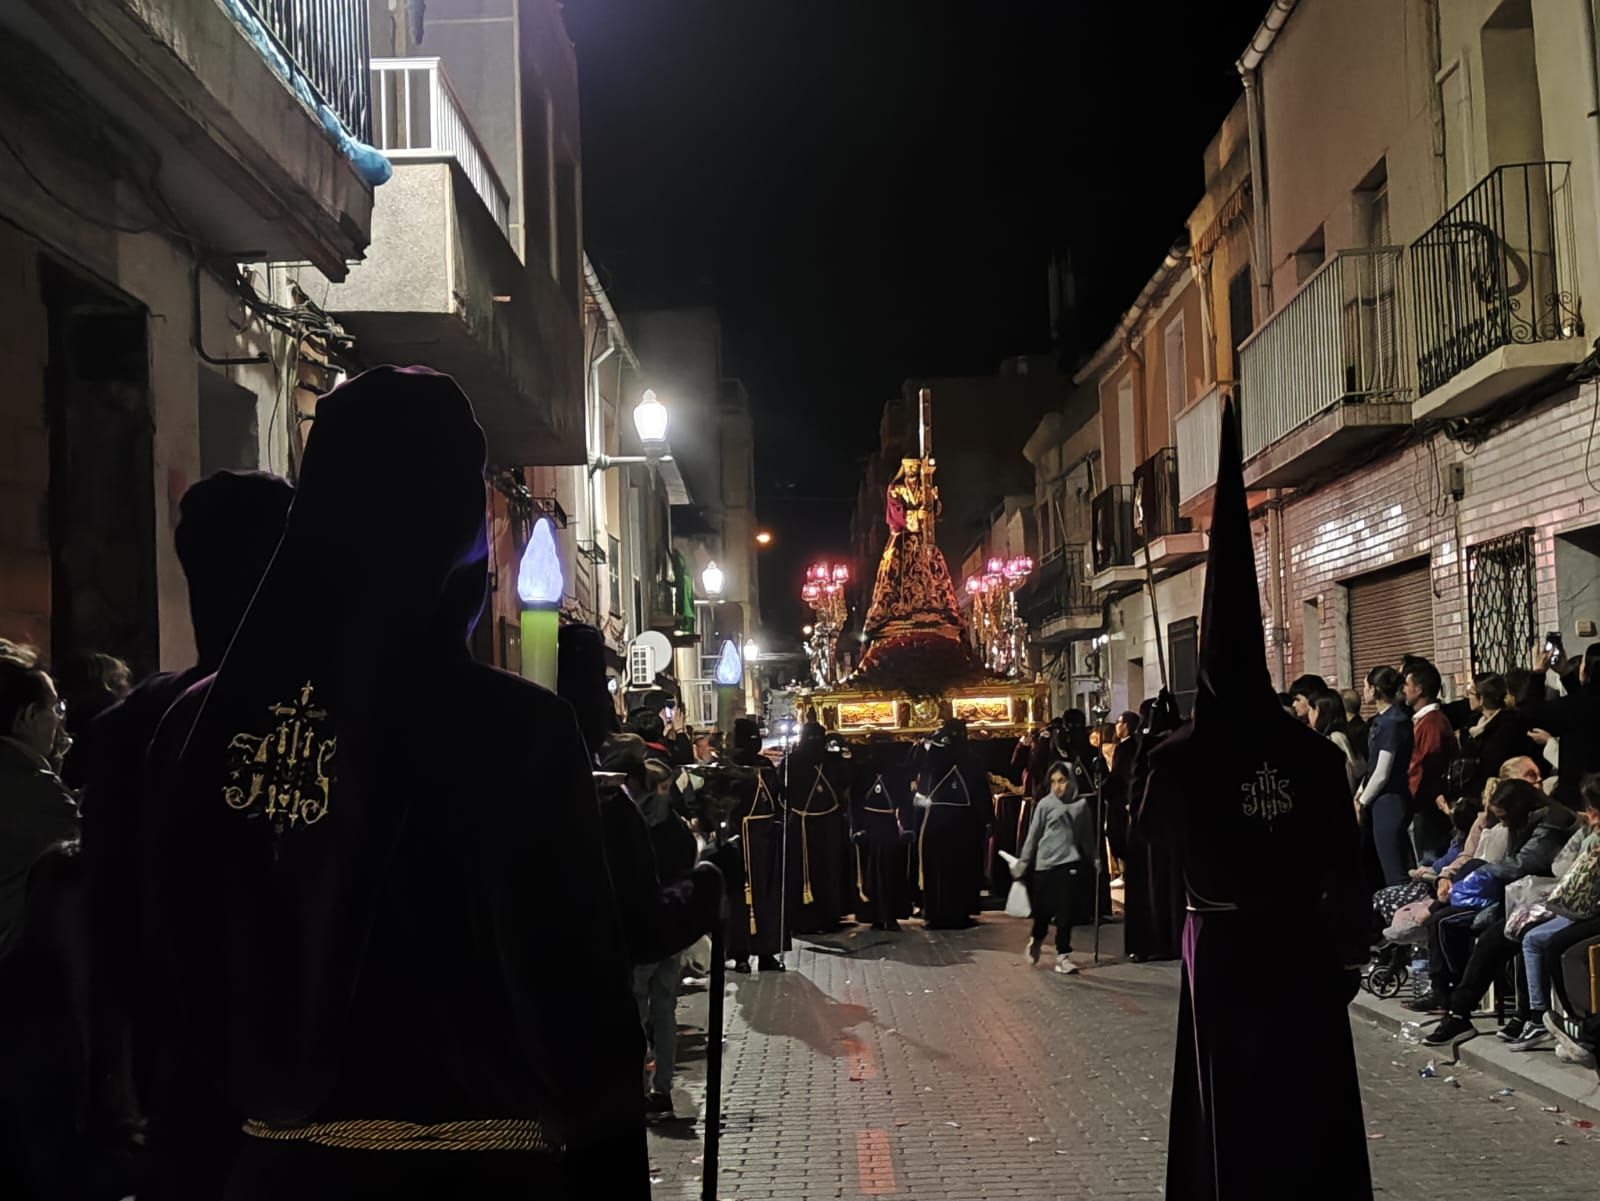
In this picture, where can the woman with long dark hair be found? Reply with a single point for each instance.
(1327, 718)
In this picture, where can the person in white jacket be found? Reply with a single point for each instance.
(1056, 863)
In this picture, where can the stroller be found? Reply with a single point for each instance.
(1390, 970)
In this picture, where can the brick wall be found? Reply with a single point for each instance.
(1529, 474)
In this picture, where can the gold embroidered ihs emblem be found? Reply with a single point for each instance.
(1267, 795)
(283, 775)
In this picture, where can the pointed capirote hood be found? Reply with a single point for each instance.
(1233, 652)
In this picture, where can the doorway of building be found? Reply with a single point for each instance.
(102, 476)
(1578, 587)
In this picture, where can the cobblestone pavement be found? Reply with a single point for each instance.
(939, 1066)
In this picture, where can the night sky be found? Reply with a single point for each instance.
(872, 189)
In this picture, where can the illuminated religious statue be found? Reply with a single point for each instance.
(913, 593)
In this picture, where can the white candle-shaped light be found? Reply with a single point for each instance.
(540, 585)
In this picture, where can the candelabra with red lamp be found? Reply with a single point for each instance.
(823, 590)
(999, 632)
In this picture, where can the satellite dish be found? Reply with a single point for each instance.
(648, 655)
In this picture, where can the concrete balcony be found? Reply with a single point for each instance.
(1495, 288)
(442, 284)
(1325, 377)
(219, 106)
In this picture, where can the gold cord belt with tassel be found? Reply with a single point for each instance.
(377, 1134)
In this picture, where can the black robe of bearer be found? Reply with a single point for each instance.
(1254, 807)
(229, 526)
(954, 829)
(817, 790)
(1154, 903)
(755, 898)
(369, 850)
(881, 829)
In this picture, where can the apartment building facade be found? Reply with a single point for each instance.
(150, 149)
(1410, 399)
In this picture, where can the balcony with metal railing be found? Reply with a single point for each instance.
(328, 41)
(231, 106)
(444, 273)
(1058, 602)
(1161, 534)
(1494, 287)
(1325, 376)
(1112, 546)
(1198, 429)
(419, 119)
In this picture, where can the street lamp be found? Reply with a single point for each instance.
(539, 587)
(711, 579)
(752, 651)
(823, 590)
(764, 538)
(996, 626)
(650, 419)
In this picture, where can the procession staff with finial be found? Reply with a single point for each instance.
(1270, 857)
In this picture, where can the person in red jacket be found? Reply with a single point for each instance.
(1433, 748)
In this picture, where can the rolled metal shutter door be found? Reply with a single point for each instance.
(1391, 614)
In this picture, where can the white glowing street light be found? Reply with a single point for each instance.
(752, 651)
(711, 579)
(540, 585)
(650, 419)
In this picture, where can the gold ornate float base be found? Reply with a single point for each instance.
(992, 707)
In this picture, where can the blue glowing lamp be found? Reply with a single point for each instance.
(539, 580)
(730, 668)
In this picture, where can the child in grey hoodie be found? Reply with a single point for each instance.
(1056, 860)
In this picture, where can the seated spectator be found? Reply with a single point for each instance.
(1575, 898)
(1487, 838)
(1539, 828)
(1424, 880)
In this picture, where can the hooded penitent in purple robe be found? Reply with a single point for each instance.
(1254, 807)
(370, 849)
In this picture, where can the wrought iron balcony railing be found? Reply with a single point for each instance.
(1111, 519)
(1337, 341)
(1059, 586)
(1073, 594)
(326, 39)
(1155, 498)
(1498, 269)
(419, 117)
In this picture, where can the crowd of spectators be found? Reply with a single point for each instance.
(1480, 826)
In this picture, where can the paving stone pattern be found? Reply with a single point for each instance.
(939, 1066)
